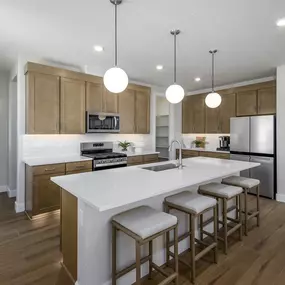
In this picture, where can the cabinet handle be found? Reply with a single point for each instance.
(79, 166)
(50, 169)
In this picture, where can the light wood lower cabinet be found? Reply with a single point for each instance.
(142, 159)
(193, 153)
(72, 106)
(42, 195)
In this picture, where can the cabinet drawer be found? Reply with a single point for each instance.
(150, 158)
(49, 169)
(135, 159)
(215, 155)
(80, 165)
(79, 171)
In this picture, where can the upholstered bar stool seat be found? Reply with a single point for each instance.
(247, 184)
(225, 193)
(194, 205)
(144, 224)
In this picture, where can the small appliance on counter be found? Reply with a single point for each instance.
(103, 155)
(102, 123)
(224, 142)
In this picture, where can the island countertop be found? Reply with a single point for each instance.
(109, 189)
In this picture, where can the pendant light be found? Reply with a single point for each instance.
(175, 93)
(116, 79)
(213, 99)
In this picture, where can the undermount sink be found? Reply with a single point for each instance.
(161, 167)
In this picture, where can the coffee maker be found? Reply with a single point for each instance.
(224, 143)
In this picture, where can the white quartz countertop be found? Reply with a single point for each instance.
(146, 152)
(206, 149)
(109, 189)
(36, 161)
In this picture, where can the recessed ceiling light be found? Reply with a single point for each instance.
(197, 79)
(281, 22)
(159, 67)
(98, 48)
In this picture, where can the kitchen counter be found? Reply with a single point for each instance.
(36, 161)
(205, 149)
(106, 190)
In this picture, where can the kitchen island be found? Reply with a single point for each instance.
(89, 200)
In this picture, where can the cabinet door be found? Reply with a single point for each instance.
(247, 103)
(94, 97)
(46, 194)
(127, 111)
(187, 115)
(267, 101)
(42, 106)
(110, 102)
(142, 106)
(72, 106)
(199, 113)
(212, 121)
(227, 111)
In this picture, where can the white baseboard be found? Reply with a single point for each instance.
(11, 193)
(280, 197)
(3, 189)
(19, 207)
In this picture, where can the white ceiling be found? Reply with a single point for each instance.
(249, 43)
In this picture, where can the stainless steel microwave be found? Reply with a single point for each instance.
(102, 123)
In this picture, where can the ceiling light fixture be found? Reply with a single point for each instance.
(213, 99)
(98, 48)
(116, 79)
(197, 79)
(159, 67)
(281, 22)
(175, 93)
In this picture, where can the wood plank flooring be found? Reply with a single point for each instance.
(29, 252)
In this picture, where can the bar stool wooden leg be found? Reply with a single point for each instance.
(240, 217)
(167, 238)
(192, 244)
(218, 211)
(114, 255)
(150, 261)
(237, 207)
(201, 227)
(176, 255)
(245, 212)
(258, 205)
(138, 263)
(215, 234)
(225, 224)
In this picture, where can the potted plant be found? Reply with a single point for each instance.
(200, 143)
(124, 145)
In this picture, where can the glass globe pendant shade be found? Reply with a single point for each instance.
(116, 80)
(175, 93)
(213, 100)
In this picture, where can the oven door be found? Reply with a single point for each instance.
(102, 123)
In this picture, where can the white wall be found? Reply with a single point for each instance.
(4, 91)
(12, 141)
(162, 106)
(280, 118)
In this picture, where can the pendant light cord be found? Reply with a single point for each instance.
(116, 34)
(175, 57)
(213, 71)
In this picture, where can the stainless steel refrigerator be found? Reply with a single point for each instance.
(253, 139)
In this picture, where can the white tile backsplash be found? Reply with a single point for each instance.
(212, 139)
(64, 145)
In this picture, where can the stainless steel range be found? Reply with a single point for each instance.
(103, 155)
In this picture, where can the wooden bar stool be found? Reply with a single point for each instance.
(248, 185)
(144, 224)
(194, 205)
(225, 193)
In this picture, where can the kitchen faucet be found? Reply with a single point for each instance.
(180, 165)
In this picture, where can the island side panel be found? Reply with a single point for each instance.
(69, 236)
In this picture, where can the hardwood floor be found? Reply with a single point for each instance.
(29, 252)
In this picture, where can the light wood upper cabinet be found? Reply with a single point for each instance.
(247, 103)
(127, 111)
(212, 121)
(266, 101)
(72, 106)
(110, 102)
(42, 104)
(94, 97)
(227, 111)
(142, 112)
